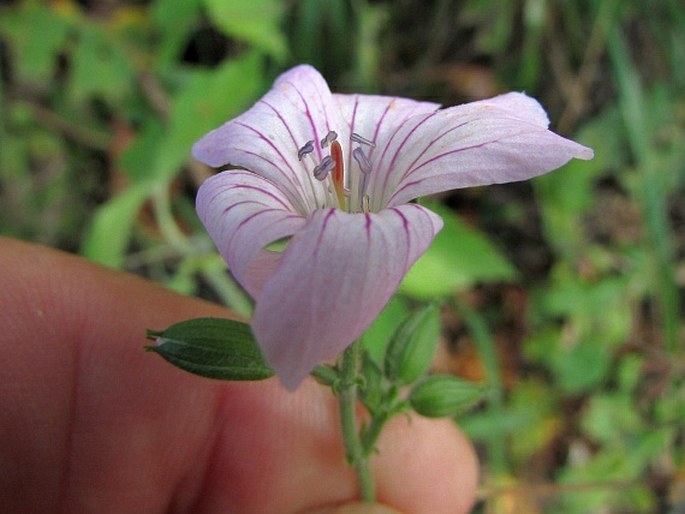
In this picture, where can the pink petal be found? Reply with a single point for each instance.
(243, 213)
(377, 118)
(266, 138)
(335, 276)
(504, 139)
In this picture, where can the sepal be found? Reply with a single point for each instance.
(413, 345)
(222, 349)
(440, 396)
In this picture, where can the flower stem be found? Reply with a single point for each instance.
(347, 400)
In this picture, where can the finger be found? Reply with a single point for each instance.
(355, 508)
(114, 429)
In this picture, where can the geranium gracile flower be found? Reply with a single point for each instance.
(336, 174)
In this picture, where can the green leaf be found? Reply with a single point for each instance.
(458, 258)
(206, 101)
(172, 15)
(413, 345)
(139, 156)
(100, 68)
(108, 235)
(255, 21)
(175, 21)
(37, 33)
(216, 348)
(441, 396)
(156, 156)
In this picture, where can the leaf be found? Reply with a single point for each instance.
(155, 156)
(458, 258)
(37, 34)
(206, 101)
(217, 348)
(255, 21)
(99, 68)
(172, 15)
(139, 156)
(107, 238)
(175, 20)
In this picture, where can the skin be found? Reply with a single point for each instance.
(92, 423)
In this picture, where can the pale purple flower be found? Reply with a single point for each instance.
(335, 173)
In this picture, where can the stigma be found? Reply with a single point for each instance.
(344, 188)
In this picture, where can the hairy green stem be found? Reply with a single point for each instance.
(373, 432)
(347, 400)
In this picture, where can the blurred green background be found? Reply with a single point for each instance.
(564, 293)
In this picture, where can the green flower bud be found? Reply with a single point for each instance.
(372, 391)
(325, 375)
(440, 396)
(217, 348)
(413, 345)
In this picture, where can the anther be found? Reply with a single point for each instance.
(362, 160)
(362, 140)
(322, 170)
(330, 137)
(306, 149)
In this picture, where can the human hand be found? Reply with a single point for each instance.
(92, 423)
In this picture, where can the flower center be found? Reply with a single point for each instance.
(343, 188)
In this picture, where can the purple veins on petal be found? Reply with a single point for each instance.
(305, 300)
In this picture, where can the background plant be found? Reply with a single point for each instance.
(565, 296)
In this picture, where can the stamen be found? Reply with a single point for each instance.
(322, 170)
(365, 167)
(362, 140)
(330, 137)
(306, 149)
(363, 161)
(365, 203)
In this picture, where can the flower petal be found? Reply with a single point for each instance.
(335, 276)
(243, 213)
(377, 119)
(503, 139)
(266, 138)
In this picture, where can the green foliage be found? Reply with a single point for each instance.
(257, 22)
(458, 258)
(132, 88)
(37, 36)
